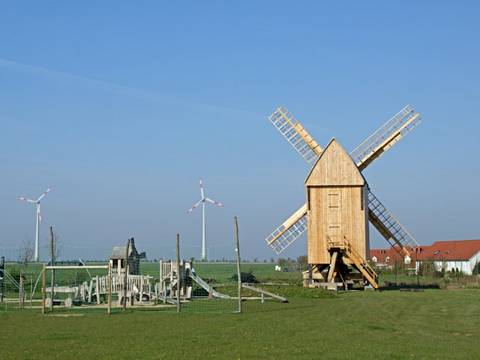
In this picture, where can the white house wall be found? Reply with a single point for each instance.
(466, 266)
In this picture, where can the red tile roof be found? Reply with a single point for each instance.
(460, 250)
(452, 250)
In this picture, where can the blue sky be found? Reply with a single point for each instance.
(121, 107)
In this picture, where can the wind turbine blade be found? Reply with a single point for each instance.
(214, 202)
(44, 194)
(27, 200)
(194, 206)
(202, 191)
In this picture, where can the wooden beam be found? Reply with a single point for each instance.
(76, 267)
(331, 270)
(264, 292)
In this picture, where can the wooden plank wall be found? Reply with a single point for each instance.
(338, 213)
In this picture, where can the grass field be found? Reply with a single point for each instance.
(436, 324)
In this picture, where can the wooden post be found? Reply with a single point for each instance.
(31, 291)
(2, 279)
(52, 263)
(44, 281)
(21, 291)
(97, 289)
(125, 278)
(178, 273)
(239, 273)
(331, 271)
(109, 309)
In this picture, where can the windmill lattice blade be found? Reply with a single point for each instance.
(390, 228)
(385, 137)
(214, 202)
(296, 135)
(194, 206)
(291, 229)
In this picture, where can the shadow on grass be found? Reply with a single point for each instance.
(408, 287)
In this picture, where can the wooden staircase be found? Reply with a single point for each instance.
(345, 249)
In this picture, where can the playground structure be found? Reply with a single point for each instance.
(340, 203)
(169, 280)
(138, 289)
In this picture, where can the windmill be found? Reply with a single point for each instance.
(204, 200)
(340, 203)
(38, 218)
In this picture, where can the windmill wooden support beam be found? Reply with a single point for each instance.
(339, 202)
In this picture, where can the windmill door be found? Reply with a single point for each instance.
(334, 216)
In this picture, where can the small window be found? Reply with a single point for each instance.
(436, 252)
(334, 200)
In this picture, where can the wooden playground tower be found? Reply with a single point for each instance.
(340, 204)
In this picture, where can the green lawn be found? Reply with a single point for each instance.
(436, 324)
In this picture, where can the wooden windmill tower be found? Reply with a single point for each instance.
(340, 204)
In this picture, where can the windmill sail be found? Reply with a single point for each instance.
(371, 149)
(291, 229)
(390, 228)
(385, 137)
(296, 135)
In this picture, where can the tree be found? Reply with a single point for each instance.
(25, 253)
(282, 262)
(476, 269)
(57, 246)
(302, 262)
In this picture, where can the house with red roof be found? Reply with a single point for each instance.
(450, 255)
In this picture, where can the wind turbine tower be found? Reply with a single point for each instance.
(203, 201)
(38, 219)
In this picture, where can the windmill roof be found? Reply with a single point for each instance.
(335, 167)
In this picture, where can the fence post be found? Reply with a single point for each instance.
(125, 278)
(21, 292)
(109, 309)
(31, 291)
(2, 277)
(239, 273)
(52, 262)
(178, 273)
(44, 281)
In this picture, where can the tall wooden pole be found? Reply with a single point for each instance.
(125, 278)
(239, 273)
(21, 292)
(52, 263)
(109, 288)
(44, 282)
(31, 291)
(2, 279)
(178, 273)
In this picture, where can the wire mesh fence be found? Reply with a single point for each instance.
(115, 286)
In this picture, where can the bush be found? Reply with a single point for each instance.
(476, 269)
(247, 277)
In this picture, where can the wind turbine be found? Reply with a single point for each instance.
(203, 200)
(38, 218)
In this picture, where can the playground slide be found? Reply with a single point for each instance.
(206, 286)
